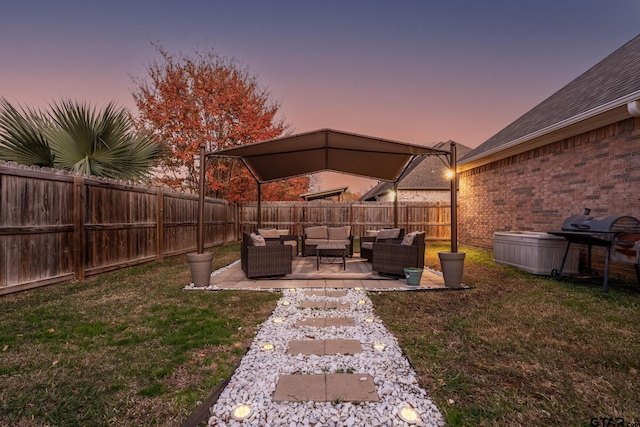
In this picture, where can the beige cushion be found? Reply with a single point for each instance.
(294, 246)
(345, 242)
(388, 233)
(319, 232)
(339, 233)
(408, 239)
(371, 233)
(366, 245)
(315, 241)
(257, 240)
(269, 233)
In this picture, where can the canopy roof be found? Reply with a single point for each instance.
(327, 150)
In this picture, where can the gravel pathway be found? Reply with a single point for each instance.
(256, 378)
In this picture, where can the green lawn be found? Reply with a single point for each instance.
(522, 350)
(132, 348)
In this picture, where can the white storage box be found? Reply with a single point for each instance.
(534, 252)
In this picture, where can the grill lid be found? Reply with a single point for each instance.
(609, 224)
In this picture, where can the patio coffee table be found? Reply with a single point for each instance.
(331, 250)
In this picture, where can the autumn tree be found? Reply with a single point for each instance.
(208, 99)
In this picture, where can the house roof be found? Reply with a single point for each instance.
(327, 150)
(424, 173)
(598, 97)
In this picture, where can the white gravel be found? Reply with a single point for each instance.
(255, 380)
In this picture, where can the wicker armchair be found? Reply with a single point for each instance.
(366, 250)
(274, 259)
(393, 257)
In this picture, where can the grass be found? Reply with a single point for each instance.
(131, 348)
(521, 350)
(125, 348)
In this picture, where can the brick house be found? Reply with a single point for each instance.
(580, 148)
(424, 181)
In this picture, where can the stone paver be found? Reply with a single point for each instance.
(321, 322)
(326, 388)
(324, 347)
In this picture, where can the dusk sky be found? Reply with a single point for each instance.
(413, 71)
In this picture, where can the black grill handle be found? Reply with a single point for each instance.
(581, 226)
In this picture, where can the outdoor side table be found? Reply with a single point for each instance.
(331, 250)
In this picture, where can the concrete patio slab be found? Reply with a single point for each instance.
(232, 277)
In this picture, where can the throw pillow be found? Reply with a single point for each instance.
(257, 240)
(339, 233)
(269, 233)
(408, 239)
(388, 233)
(319, 232)
(371, 233)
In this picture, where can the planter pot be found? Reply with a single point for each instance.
(200, 265)
(452, 265)
(413, 276)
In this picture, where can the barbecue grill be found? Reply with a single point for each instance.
(620, 235)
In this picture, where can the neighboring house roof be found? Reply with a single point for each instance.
(324, 194)
(425, 173)
(606, 93)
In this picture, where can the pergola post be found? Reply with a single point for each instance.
(259, 204)
(395, 204)
(454, 198)
(201, 184)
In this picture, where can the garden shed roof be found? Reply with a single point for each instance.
(327, 150)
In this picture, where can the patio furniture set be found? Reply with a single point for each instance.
(270, 252)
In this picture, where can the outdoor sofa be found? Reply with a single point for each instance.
(386, 234)
(316, 235)
(261, 258)
(393, 256)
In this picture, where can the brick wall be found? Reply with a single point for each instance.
(537, 190)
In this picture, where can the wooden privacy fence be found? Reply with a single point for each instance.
(56, 226)
(432, 217)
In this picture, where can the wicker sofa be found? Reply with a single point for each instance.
(386, 234)
(392, 257)
(272, 259)
(313, 236)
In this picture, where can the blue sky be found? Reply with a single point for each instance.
(414, 71)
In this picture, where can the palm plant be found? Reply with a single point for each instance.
(75, 137)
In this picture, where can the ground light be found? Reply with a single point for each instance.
(285, 303)
(362, 302)
(277, 320)
(267, 347)
(242, 412)
(407, 414)
(368, 320)
(379, 346)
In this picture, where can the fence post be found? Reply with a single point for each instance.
(160, 225)
(78, 226)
